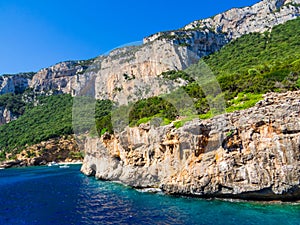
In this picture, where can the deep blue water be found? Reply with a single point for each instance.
(50, 195)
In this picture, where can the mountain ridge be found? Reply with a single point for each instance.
(233, 21)
(201, 37)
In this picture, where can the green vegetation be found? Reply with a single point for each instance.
(175, 75)
(51, 118)
(181, 121)
(147, 109)
(13, 103)
(243, 101)
(87, 112)
(103, 111)
(259, 63)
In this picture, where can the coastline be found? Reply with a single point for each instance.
(70, 163)
(158, 191)
(229, 198)
(58, 190)
(21, 163)
(256, 160)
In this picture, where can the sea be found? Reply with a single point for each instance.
(53, 195)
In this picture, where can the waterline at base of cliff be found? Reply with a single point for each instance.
(50, 195)
(251, 154)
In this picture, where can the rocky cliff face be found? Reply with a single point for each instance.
(59, 77)
(250, 154)
(132, 73)
(204, 37)
(236, 22)
(126, 74)
(15, 83)
(6, 116)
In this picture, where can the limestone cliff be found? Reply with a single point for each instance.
(125, 74)
(59, 77)
(15, 83)
(131, 73)
(236, 22)
(250, 154)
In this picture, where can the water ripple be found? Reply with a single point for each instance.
(45, 196)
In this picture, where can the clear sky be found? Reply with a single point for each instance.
(39, 33)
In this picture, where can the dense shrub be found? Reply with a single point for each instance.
(13, 102)
(51, 118)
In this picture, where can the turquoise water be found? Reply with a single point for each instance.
(50, 195)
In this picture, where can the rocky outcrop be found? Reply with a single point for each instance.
(204, 37)
(59, 77)
(63, 149)
(17, 83)
(236, 22)
(132, 73)
(249, 154)
(125, 74)
(6, 116)
(13, 84)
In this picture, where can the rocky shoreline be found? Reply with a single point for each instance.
(61, 150)
(252, 154)
(19, 163)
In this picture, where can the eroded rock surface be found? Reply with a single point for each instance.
(250, 154)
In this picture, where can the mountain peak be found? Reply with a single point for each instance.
(236, 22)
(260, 17)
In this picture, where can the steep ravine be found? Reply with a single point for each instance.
(249, 154)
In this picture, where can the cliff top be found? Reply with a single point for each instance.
(236, 22)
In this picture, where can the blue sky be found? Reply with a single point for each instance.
(39, 33)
